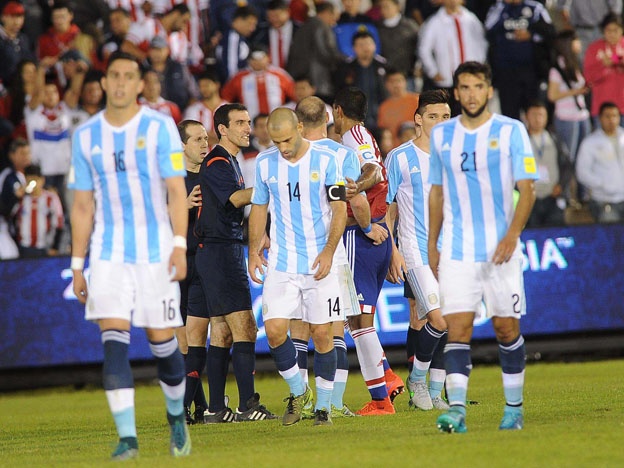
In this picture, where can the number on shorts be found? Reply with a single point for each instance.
(335, 307)
(516, 303)
(169, 311)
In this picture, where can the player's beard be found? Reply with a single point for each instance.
(476, 114)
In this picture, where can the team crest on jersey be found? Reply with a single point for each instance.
(433, 298)
(177, 161)
(493, 144)
(140, 144)
(315, 176)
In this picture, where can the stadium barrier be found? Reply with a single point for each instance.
(574, 278)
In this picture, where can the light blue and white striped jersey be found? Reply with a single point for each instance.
(478, 170)
(298, 203)
(125, 167)
(408, 174)
(349, 161)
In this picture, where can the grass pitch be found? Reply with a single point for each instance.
(574, 417)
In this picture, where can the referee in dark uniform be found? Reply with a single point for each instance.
(220, 263)
(192, 337)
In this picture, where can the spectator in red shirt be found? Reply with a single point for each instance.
(604, 66)
(261, 87)
(61, 34)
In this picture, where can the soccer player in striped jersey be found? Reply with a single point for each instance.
(369, 262)
(408, 198)
(476, 159)
(301, 184)
(129, 199)
(311, 112)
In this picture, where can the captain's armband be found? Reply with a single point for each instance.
(336, 192)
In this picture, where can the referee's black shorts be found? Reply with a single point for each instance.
(222, 274)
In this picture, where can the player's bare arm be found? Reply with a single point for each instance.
(176, 191)
(81, 227)
(371, 175)
(257, 226)
(336, 229)
(361, 213)
(241, 198)
(507, 245)
(398, 268)
(436, 201)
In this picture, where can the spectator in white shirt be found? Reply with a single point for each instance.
(600, 166)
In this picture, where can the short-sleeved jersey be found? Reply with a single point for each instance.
(125, 167)
(408, 185)
(478, 170)
(300, 209)
(364, 144)
(219, 177)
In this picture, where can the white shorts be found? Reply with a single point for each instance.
(463, 285)
(299, 296)
(348, 293)
(425, 288)
(142, 294)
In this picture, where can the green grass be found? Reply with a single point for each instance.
(574, 417)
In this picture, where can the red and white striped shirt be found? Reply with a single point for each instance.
(131, 6)
(196, 28)
(260, 92)
(364, 144)
(38, 218)
(141, 34)
(198, 111)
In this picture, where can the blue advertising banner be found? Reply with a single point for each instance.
(574, 279)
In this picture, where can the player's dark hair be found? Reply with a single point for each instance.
(182, 126)
(607, 105)
(121, 55)
(222, 116)
(353, 102)
(473, 68)
(431, 96)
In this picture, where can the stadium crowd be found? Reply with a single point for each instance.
(563, 57)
